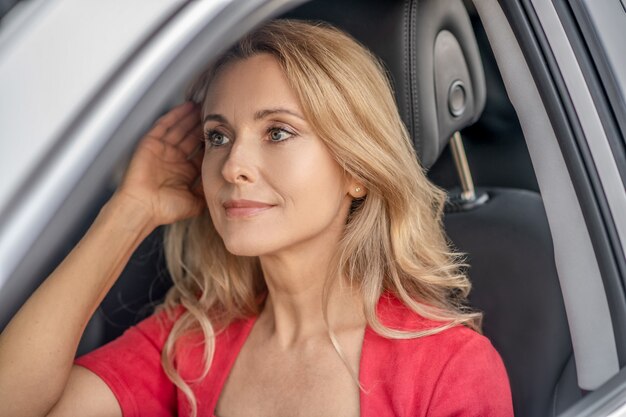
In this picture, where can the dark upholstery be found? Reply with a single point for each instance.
(509, 250)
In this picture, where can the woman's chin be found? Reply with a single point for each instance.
(245, 248)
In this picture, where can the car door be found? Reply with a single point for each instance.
(566, 60)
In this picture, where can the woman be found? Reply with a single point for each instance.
(318, 282)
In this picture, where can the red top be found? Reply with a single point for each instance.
(456, 372)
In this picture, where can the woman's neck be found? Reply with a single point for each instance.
(294, 309)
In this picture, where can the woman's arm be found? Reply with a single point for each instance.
(38, 346)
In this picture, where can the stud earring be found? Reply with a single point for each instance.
(357, 190)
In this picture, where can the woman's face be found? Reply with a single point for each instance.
(270, 183)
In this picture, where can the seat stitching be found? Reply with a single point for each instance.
(415, 110)
(405, 58)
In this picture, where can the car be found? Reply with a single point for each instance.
(516, 107)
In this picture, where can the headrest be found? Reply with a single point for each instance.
(432, 56)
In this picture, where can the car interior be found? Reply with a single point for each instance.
(468, 138)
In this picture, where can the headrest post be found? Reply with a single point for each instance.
(460, 161)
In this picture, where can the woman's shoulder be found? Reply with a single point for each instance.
(455, 367)
(458, 339)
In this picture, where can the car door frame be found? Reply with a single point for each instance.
(554, 98)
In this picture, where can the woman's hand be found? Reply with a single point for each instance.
(38, 346)
(163, 177)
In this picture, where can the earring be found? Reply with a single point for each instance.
(357, 190)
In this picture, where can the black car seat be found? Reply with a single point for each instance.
(431, 53)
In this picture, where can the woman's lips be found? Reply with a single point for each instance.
(245, 208)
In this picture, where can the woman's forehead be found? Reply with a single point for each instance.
(249, 85)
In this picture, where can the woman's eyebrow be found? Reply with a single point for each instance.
(257, 115)
(268, 112)
(215, 117)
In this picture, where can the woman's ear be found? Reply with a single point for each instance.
(357, 190)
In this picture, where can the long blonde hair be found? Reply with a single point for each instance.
(393, 240)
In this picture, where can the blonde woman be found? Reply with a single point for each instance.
(311, 274)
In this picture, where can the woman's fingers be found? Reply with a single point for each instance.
(193, 146)
(164, 124)
(196, 156)
(185, 134)
(192, 138)
(197, 148)
(178, 131)
(196, 188)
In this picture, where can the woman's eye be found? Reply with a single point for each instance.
(215, 138)
(278, 135)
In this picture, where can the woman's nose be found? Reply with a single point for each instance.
(239, 166)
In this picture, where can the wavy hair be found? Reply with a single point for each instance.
(393, 239)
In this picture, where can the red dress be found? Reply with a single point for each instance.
(456, 372)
